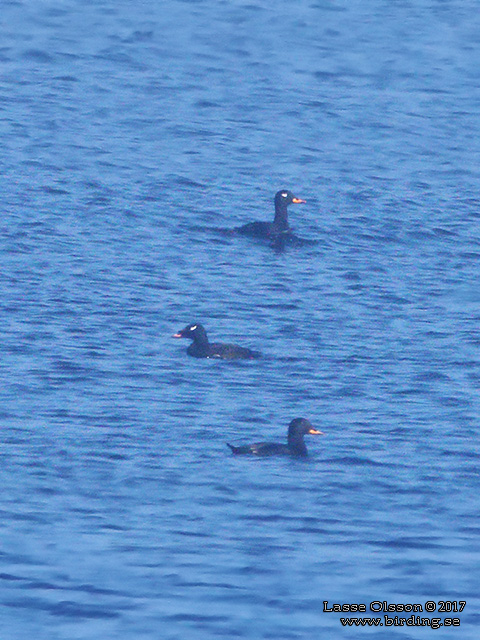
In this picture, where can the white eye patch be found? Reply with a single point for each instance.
(284, 195)
(193, 327)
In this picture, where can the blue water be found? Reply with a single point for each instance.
(128, 131)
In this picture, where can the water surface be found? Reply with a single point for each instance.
(128, 132)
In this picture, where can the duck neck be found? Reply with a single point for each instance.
(296, 445)
(281, 216)
(200, 338)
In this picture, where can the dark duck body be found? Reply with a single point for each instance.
(202, 348)
(271, 230)
(295, 444)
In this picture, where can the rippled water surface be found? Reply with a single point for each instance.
(129, 131)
